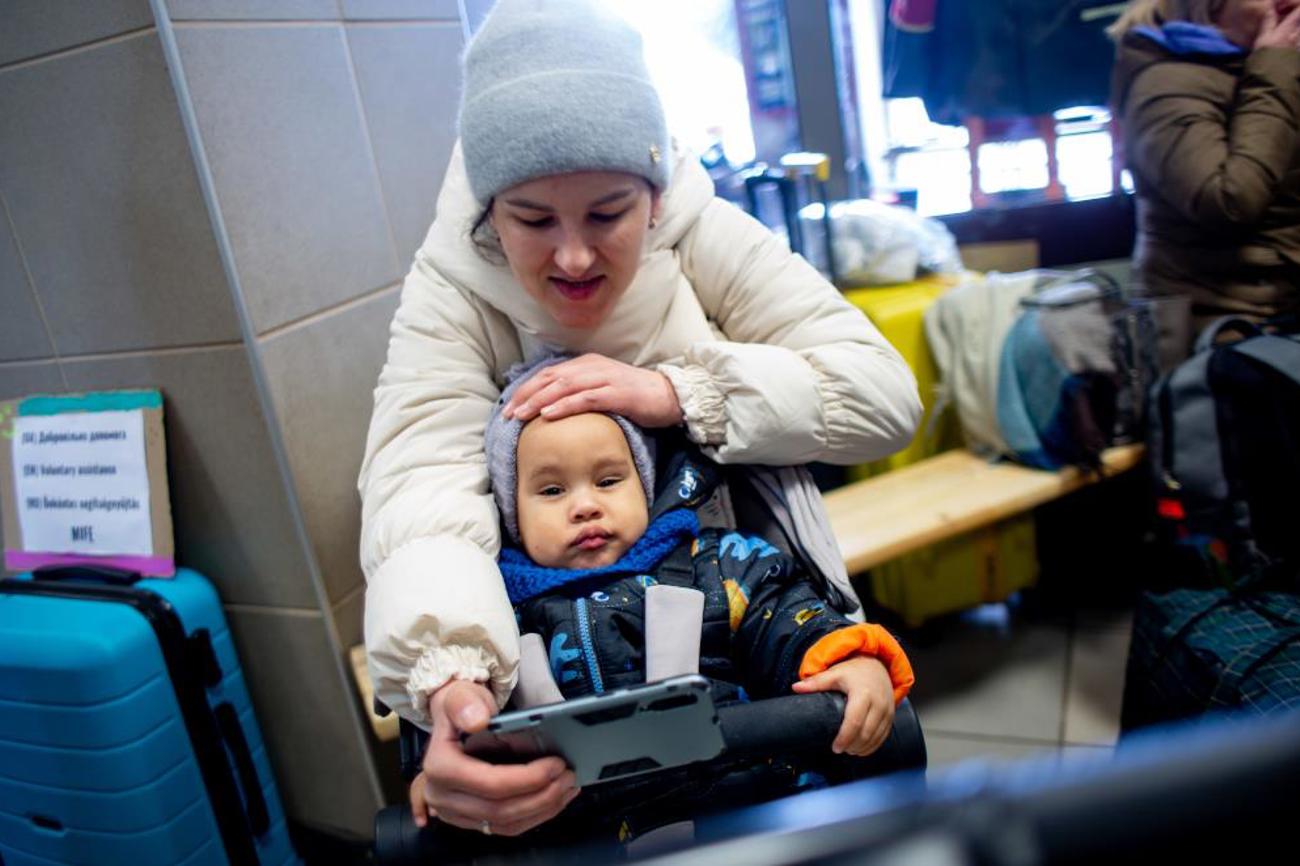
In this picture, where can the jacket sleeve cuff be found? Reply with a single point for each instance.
(866, 639)
(437, 610)
(704, 407)
(439, 665)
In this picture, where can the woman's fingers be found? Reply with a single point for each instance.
(544, 401)
(517, 812)
(577, 370)
(420, 808)
(475, 814)
(594, 383)
(451, 769)
(460, 706)
(603, 399)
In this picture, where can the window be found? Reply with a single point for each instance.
(693, 52)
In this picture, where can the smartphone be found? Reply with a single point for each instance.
(611, 736)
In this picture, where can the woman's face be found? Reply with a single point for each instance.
(574, 241)
(1240, 19)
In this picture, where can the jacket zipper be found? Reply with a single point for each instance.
(588, 646)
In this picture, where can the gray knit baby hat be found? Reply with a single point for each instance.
(501, 442)
(556, 86)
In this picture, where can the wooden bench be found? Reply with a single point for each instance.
(886, 516)
(880, 518)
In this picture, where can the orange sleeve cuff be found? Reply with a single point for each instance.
(866, 639)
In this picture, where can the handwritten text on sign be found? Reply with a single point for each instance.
(82, 483)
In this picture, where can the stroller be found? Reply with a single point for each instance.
(768, 755)
(773, 748)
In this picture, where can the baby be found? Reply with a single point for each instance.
(599, 549)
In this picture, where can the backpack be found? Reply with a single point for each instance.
(1049, 368)
(1224, 446)
(1200, 650)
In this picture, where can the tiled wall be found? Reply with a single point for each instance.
(322, 131)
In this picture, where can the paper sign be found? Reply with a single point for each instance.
(81, 483)
(83, 480)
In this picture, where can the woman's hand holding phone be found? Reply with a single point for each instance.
(504, 799)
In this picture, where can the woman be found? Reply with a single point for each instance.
(567, 221)
(1208, 92)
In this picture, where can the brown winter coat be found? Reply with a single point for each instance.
(1212, 145)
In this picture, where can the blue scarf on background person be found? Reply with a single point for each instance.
(526, 579)
(1184, 37)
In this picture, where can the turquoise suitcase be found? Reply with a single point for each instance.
(126, 731)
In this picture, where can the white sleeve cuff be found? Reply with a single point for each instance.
(704, 407)
(437, 610)
(439, 665)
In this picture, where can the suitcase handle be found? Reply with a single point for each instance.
(97, 573)
(259, 820)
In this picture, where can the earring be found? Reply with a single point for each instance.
(653, 222)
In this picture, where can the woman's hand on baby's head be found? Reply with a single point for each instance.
(868, 704)
(594, 383)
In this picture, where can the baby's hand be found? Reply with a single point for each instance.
(421, 811)
(869, 702)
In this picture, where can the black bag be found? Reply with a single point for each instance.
(1224, 444)
(1199, 650)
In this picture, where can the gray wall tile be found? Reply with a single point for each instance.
(322, 378)
(297, 186)
(349, 616)
(106, 205)
(229, 504)
(23, 380)
(361, 9)
(476, 11)
(253, 10)
(409, 78)
(35, 27)
(321, 761)
(22, 333)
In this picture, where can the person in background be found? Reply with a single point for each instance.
(1208, 96)
(568, 220)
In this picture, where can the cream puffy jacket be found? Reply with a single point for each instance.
(770, 363)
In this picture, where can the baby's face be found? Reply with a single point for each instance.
(581, 503)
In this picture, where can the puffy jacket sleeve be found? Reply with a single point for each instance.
(803, 375)
(436, 606)
(1217, 168)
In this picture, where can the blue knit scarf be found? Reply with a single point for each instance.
(526, 579)
(1183, 37)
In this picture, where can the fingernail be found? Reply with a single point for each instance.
(471, 715)
(546, 413)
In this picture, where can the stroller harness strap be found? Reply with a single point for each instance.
(674, 618)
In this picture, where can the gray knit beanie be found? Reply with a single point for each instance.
(556, 86)
(501, 442)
